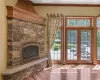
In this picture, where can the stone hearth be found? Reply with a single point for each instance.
(23, 71)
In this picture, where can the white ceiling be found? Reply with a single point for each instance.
(67, 1)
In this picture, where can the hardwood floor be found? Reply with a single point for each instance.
(68, 72)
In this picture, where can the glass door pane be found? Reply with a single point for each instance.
(56, 47)
(85, 44)
(98, 44)
(72, 45)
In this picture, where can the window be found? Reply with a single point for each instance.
(78, 39)
(76, 22)
(98, 23)
(56, 48)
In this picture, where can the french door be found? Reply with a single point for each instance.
(74, 41)
(78, 45)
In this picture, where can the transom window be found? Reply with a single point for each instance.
(80, 22)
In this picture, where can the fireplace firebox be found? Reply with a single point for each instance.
(30, 52)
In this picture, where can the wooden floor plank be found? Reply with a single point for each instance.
(68, 72)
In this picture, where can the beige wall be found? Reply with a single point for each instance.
(11, 2)
(3, 33)
(68, 11)
(3, 37)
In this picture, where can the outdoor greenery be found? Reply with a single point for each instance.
(56, 46)
(71, 45)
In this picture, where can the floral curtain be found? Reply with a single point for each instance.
(53, 24)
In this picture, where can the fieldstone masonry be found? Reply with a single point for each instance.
(19, 33)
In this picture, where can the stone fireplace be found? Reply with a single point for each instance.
(30, 52)
(24, 40)
(26, 32)
(25, 48)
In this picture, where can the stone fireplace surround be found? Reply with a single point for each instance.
(21, 33)
(24, 27)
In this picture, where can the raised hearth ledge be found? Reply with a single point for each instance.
(22, 67)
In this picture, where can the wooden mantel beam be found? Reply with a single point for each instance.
(24, 10)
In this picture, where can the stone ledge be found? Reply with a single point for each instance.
(22, 67)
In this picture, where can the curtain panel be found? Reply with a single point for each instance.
(53, 25)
